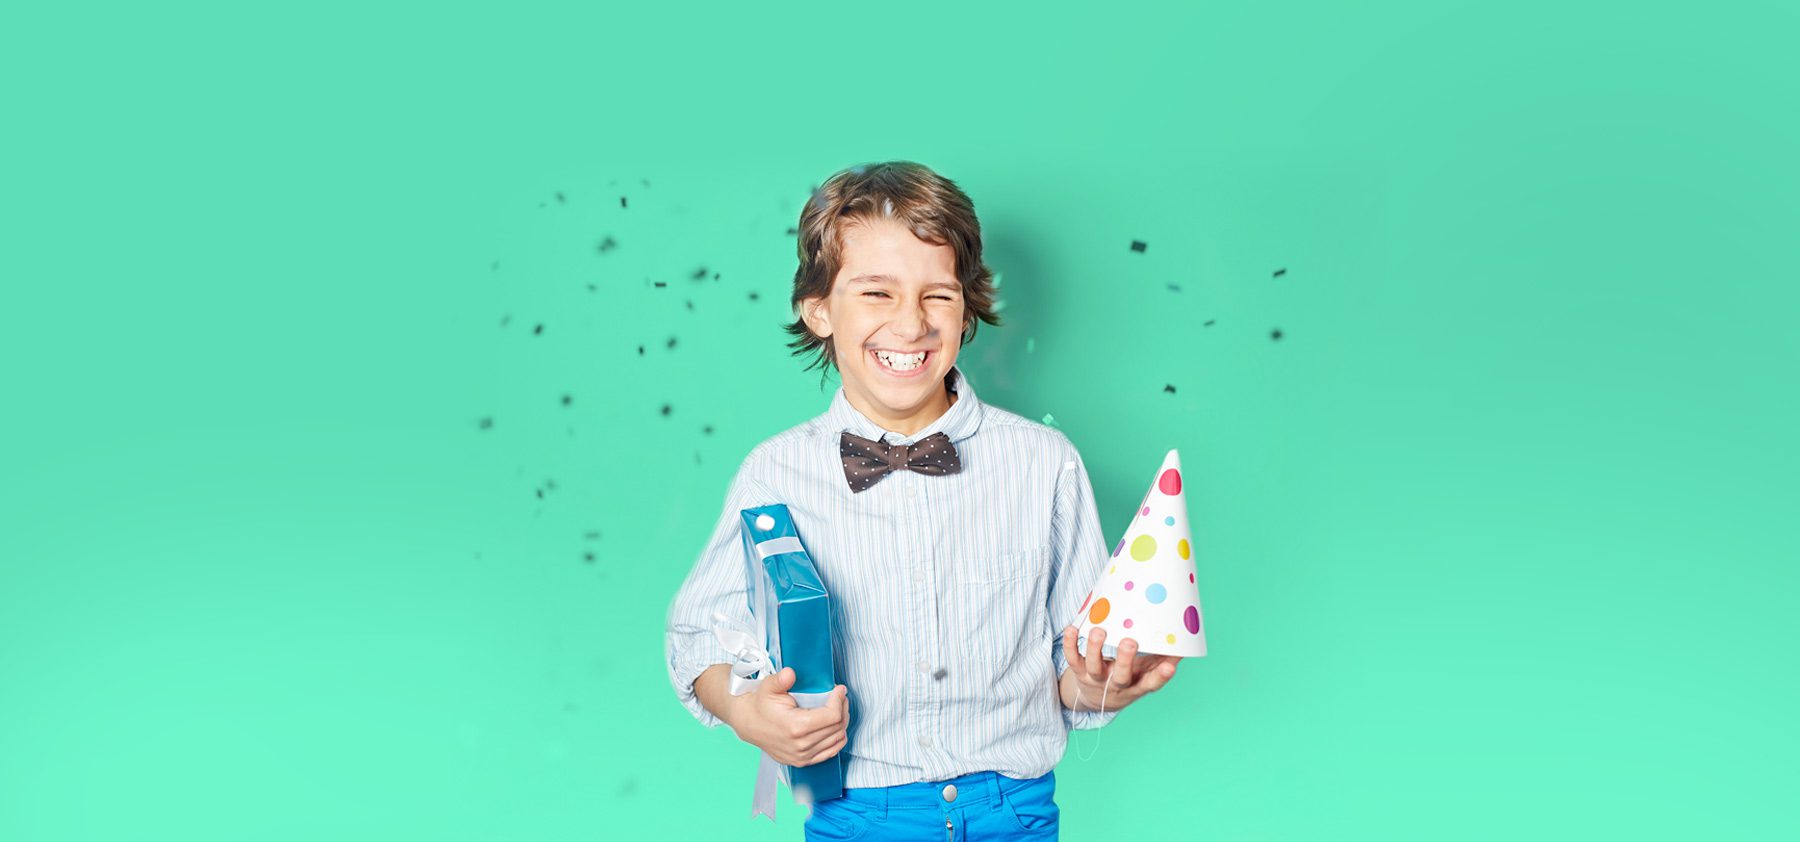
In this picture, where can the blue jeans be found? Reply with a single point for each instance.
(987, 805)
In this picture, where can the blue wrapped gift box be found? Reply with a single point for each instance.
(793, 611)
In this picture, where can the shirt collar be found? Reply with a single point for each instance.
(959, 422)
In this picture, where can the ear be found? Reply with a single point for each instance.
(817, 318)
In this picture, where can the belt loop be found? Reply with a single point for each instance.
(881, 803)
(993, 785)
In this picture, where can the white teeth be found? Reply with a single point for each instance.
(901, 362)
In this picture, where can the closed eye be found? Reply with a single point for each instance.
(879, 292)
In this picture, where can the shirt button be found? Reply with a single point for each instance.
(923, 667)
(918, 575)
(950, 792)
(925, 741)
(912, 491)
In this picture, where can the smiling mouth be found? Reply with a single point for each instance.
(901, 364)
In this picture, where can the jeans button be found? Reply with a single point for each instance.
(950, 792)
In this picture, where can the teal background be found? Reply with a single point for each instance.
(1495, 542)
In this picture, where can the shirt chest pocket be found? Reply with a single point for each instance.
(989, 568)
(996, 606)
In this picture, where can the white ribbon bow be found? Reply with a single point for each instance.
(750, 665)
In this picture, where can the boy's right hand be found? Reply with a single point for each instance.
(770, 719)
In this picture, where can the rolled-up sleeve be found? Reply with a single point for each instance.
(1079, 555)
(718, 582)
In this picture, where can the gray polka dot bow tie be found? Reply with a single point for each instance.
(866, 461)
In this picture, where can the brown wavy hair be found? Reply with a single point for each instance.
(931, 206)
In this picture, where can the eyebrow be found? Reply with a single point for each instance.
(870, 279)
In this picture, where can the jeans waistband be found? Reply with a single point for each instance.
(975, 787)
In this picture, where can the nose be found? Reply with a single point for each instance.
(911, 321)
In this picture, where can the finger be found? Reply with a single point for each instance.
(1096, 639)
(781, 682)
(1070, 657)
(1121, 671)
(1157, 676)
(827, 751)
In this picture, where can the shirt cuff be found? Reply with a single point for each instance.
(686, 667)
(1080, 720)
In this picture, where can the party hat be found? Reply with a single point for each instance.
(1148, 592)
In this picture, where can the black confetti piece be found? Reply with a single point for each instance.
(588, 557)
(494, 267)
(671, 342)
(559, 198)
(715, 276)
(1209, 322)
(1275, 334)
(537, 331)
(700, 274)
(487, 423)
(1139, 245)
(640, 350)
(1169, 388)
(607, 244)
(568, 399)
(592, 288)
(666, 409)
(645, 181)
(591, 534)
(540, 494)
(661, 284)
(506, 320)
(793, 231)
(1280, 272)
(939, 675)
(621, 201)
(690, 304)
(706, 430)
(1175, 287)
(753, 295)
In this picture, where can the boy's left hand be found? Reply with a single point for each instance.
(1131, 676)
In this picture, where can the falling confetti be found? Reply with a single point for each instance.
(666, 409)
(607, 245)
(700, 274)
(505, 320)
(568, 399)
(671, 342)
(1209, 323)
(1139, 245)
(753, 295)
(1169, 388)
(939, 675)
(536, 331)
(559, 198)
(621, 201)
(1280, 272)
(487, 423)
(640, 350)
(1175, 287)
(1275, 334)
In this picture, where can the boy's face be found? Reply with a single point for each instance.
(894, 293)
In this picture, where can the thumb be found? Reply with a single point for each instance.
(780, 682)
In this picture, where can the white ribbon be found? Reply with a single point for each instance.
(750, 665)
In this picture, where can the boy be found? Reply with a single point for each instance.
(951, 535)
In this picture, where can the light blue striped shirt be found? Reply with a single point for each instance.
(949, 593)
